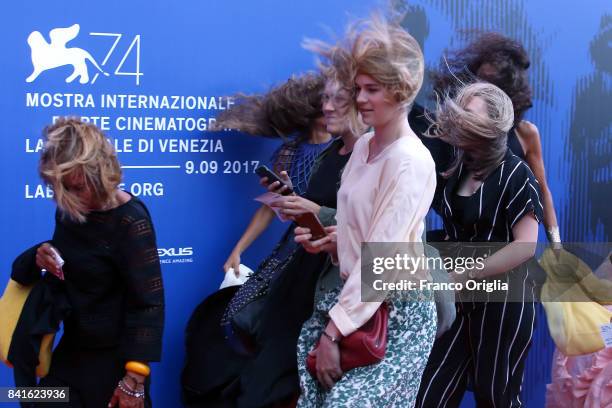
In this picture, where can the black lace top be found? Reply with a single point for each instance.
(113, 281)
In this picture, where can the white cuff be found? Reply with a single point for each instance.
(342, 320)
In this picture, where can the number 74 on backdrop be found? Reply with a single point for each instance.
(134, 44)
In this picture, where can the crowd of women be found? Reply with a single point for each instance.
(369, 163)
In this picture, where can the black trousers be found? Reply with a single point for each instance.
(91, 375)
(486, 345)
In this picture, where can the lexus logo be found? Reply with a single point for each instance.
(173, 252)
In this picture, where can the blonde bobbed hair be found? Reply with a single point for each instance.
(75, 147)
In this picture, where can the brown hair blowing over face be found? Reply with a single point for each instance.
(481, 141)
(506, 67)
(74, 147)
(287, 109)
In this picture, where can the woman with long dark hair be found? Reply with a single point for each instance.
(278, 296)
(291, 112)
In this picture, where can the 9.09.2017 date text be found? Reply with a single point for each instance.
(225, 167)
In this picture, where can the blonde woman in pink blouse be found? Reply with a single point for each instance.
(387, 188)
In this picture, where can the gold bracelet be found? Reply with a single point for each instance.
(331, 338)
(138, 368)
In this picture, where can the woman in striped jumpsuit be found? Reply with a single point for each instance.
(490, 196)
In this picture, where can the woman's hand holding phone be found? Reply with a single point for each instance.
(327, 244)
(278, 187)
(279, 184)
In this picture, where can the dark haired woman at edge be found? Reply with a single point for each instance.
(504, 62)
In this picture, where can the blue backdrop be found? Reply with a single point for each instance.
(164, 70)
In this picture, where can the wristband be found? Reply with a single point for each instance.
(138, 368)
(553, 234)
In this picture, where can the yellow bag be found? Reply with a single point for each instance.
(571, 298)
(11, 305)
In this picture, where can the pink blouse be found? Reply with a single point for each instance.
(385, 200)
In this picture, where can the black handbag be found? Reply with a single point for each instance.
(243, 315)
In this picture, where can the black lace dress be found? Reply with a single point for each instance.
(113, 284)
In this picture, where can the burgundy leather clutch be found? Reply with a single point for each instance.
(363, 347)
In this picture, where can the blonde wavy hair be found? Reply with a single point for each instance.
(378, 48)
(387, 53)
(481, 141)
(75, 147)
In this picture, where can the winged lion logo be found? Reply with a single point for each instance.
(55, 54)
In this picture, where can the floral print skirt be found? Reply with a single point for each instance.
(394, 382)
